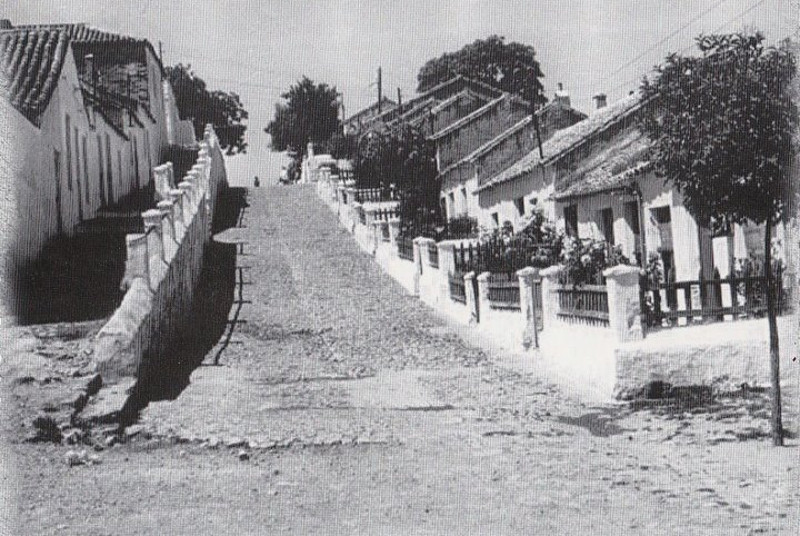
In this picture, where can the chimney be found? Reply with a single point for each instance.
(600, 100)
(562, 96)
(5, 24)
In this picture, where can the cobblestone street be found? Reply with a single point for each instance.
(337, 404)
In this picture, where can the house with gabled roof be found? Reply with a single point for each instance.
(460, 179)
(595, 180)
(85, 113)
(356, 122)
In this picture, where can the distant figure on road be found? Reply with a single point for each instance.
(256, 182)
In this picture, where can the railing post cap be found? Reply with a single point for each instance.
(484, 276)
(469, 275)
(151, 217)
(424, 241)
(552, 271)
(621, 270)
(132, 238)
(164, 206)
(527, 271)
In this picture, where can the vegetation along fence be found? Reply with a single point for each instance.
(497, 257)
(405, 248)
(583, 303)
(714, 300)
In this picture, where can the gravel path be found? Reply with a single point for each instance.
(340, 405)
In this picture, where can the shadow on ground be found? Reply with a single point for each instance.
(208, 319)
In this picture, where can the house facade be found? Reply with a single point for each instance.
(86, 118)
(461, 179)
(596, 182)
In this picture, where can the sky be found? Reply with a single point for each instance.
(258, 48)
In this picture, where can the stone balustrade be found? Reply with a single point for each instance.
(163, 267)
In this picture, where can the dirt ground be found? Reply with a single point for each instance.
(339, 405)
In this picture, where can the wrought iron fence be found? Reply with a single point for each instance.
(496, 257)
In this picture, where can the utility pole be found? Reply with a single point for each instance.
(161, 52)
(380, 90)
(399, 102)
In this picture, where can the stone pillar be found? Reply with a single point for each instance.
(163, 180)
(624, 307)
(418, 268)
(549, 296)
(446, 267)
(137, 261)
(483, 296)
(176, 196)
(530, 334)
(189, 208)
(155, 247)
(394, 231)
(472, 298)
(168, 230)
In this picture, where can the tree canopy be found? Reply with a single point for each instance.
(405, 159)
(310, 113)
(224, 110)
(722, 126)
(511, 67)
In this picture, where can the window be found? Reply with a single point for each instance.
(495, 219)
(119, 163)
(632, 219)
(464, 200)
(571, 220)
(607, 221)
(68, 130)
(533, 201)
(520, 204)
(443, 206)
(663, 219)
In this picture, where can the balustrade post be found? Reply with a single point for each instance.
(527, 302)
(484, 304)
(550, 277)
(624, 305)
(446, 267)
(471, 297)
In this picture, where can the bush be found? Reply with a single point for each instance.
(584, 260)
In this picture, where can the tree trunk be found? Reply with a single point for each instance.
(774, 353)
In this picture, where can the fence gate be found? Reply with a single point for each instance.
(477, 300)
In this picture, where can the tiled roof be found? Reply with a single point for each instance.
(32, 56)
(390, 104)
(612, 168)
(483, 110)
(30, 65)
(565, 140)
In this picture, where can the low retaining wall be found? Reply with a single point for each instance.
(163, 267)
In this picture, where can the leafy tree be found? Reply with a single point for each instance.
(310, 114)
(511, 67)
(404, 159)
(222, 109)
(722, 128)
